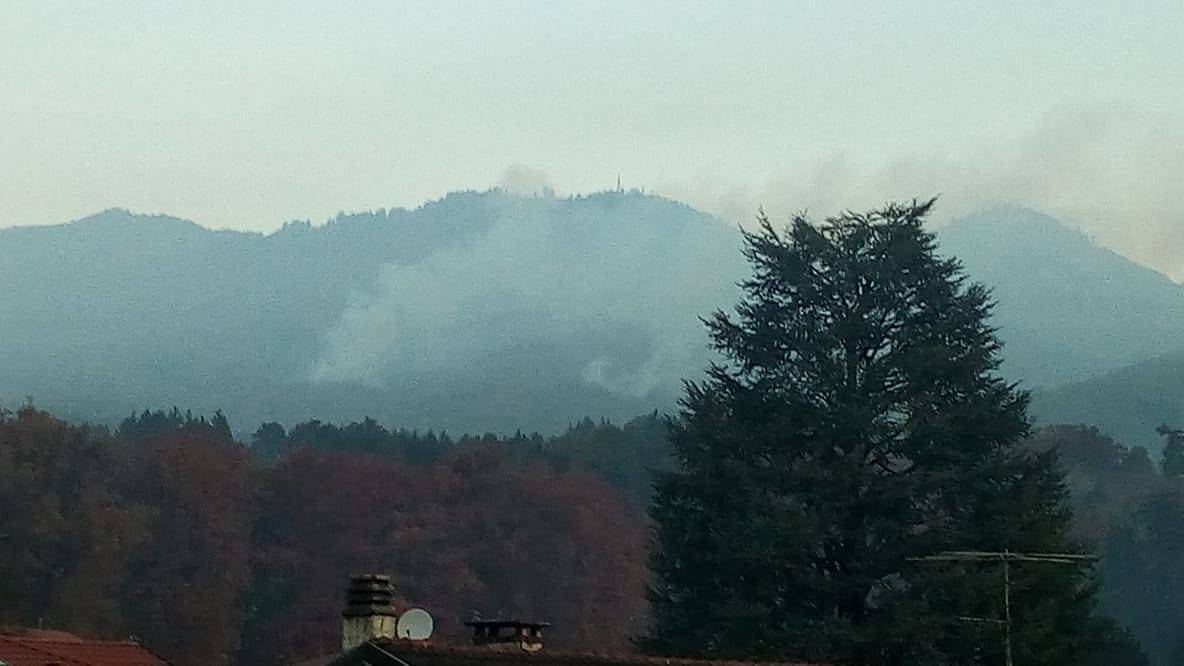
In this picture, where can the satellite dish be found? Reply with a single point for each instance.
(415, 625)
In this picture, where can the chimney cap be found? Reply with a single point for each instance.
(369, 595)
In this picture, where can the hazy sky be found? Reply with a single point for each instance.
(248, 114)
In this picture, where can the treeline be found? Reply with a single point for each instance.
(170, 530)
(1131, 509)
(623, 455)
(1127, 507)
(215, 552)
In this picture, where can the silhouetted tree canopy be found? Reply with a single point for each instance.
(858, 420)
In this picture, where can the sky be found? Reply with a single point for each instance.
(248, 114)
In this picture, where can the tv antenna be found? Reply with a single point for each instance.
(415, 625)
(1006, 558)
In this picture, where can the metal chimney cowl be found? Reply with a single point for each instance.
(369, 611)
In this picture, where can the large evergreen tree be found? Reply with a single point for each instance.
(858, 419)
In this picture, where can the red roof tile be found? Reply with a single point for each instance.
(394, 652)
(429, 654)
(46, 648)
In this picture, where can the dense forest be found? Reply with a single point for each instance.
(212, 553)
(167, 522)
(1130, 508)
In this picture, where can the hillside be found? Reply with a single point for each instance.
(1067, 308)
(483, 311)
(1128, 404)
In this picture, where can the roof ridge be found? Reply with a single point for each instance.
(61, 658)
(478, 653)
(65, 641)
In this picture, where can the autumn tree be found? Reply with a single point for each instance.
(190, 489)
(322, 517)
(1134, 512)
(857, 419)
(466, 533)
(63, 536)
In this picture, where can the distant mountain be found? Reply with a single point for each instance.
(1067, 309)
(1127, 404)
(480, 311)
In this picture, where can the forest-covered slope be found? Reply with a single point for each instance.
(1067, 308)
(481, 311)
(484, 311)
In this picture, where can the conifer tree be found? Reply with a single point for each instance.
(857, 419)
(1173, 451)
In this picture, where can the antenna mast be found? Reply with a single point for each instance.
(1006, 558)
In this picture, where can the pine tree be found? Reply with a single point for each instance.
(1173, 451)
(856, 420)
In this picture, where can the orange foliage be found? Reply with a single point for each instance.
(183, 586)
(463, 535)
(179, 538)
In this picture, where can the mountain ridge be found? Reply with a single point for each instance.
(1127, 404)
(148, 315)
(481, 310)
(1067, 308)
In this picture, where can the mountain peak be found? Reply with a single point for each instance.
(114, 218)
(1065, 304)
(1013, 220)
(1010, 234)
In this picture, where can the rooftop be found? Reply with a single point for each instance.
(394, 652)
(36, 647)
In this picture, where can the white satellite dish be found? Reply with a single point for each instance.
(415, 625)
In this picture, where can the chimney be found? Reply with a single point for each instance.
(369, 612)
(527, 636)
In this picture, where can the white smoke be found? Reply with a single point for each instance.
(524, 181)
(1111, 172)
(617, 282)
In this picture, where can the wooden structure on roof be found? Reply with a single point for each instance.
(526, 635)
